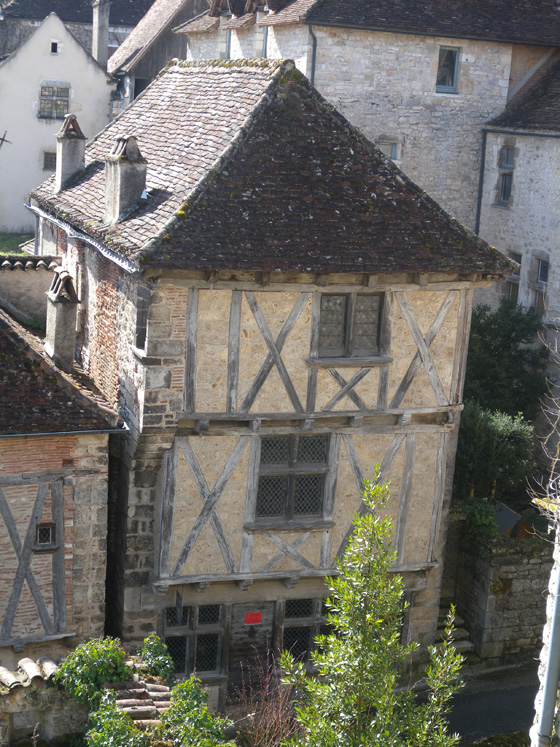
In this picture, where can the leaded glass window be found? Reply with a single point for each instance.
(292, 476)
(303, 619)
(194, 637)
(349, 325)
(54, 102)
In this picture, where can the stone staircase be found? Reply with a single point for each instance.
(461, 636)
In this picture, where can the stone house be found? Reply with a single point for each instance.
(151, 45)
(421, 84)
(47, 76)
(54, 435)
(274, 308)
(19, 19)
(519, 187)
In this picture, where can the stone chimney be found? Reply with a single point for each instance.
(125, 179)
(70, 148)
(62, 303)
(100, 36)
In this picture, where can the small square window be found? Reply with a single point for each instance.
(54, 47)
(45, 537)
(447, 71)
(388, 148)
(349, 325)
(291, 478)
(49, 161)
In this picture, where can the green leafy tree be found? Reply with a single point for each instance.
(355, 698)
(506, 362)
(156, 657)
(84, 672)
(494, 454)
(110, 727)
(188, 720)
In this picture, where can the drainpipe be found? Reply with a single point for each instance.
(545, 714)
(313, 55)
(480, 182)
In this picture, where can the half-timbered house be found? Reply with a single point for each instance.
(275, 309)
(54, 433)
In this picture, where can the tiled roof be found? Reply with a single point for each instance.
(150, 26)
(123, 12)
(521, 21)
(27, 262)
(199, 25)
(243, 22)
(29, 672)
(537, 108)
(250, 168)
(54, 402)
(142, 700)
(292, 13)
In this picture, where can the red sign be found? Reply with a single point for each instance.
(253, 618)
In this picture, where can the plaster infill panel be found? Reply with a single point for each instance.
(421, 498)
(275, 308)
(264, 551)
(211, 454)
(370, 450)
(327, 388)
(212, 350)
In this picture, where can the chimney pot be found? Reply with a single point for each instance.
(125, 178)
(70, 149)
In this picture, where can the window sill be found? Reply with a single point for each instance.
(446, 93)
(44, 548)
(369, 362)
(502, 205)
(285, 526)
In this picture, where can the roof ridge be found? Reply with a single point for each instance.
(141, 256)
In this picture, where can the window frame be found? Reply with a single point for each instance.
(348, 349)
(454, 87)
(314, 623)
(512, 284)
(543, 263)
(394, 155)
(189, 629)
(49, 155)
(291, 470)
(39, 546)
(506, 166)
(53, 99)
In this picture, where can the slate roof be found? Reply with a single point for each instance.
(249, 168)
(537, 108)
(521, 21)
(123, 12)
(148, 28)
(52, 402)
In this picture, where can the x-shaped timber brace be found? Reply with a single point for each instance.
(24, 556)
(421, 359)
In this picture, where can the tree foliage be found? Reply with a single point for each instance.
(111, 727)
(84, 672)
(506, 362)
(494, 454)
(355, 698)
(188, 720)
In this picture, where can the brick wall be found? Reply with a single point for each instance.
(85, 527)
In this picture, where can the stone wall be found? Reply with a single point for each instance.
(502, 598)
(23, 289)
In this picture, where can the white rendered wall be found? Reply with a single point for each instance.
(21, 160)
